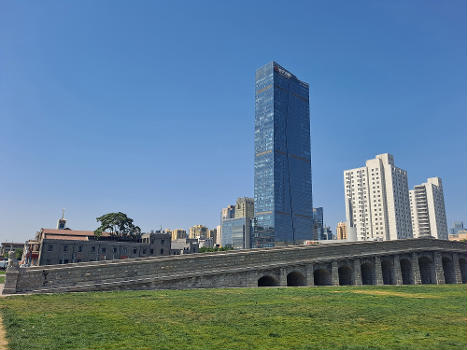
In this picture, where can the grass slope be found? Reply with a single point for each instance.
(405, 317)
(2, 276)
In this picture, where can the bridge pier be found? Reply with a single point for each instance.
(417, 279)
(378, 272)
(334, 274)
(439, 271)
(457, 269)
(357, 272)
(310, 277)
(397, 270)
(283, 277)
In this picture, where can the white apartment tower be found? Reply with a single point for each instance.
(377, 203)
(427, 209)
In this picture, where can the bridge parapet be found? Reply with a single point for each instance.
(380, 262)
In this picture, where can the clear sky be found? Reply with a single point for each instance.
(147, 107)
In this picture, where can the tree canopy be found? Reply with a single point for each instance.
(117, 224)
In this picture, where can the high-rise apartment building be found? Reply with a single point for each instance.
(377, 200)
(341, 230)
(283, 195)
(178, 234)
(228, 213)
(245, 208)
(427, 209)
(199, 231)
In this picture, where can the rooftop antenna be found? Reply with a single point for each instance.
(63, 213)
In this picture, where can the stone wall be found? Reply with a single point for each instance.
(341, 263)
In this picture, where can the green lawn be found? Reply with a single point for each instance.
(2, 276)
(406, 317)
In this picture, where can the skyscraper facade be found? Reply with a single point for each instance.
(283, 194)
(318, 223)
(377, 200)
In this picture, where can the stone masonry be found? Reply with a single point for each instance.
(411, 261)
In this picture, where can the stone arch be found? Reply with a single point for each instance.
(427, 270)
(345, 276)
(448, 270)
(267, 281)
(387, 271)
(368, 273)
(295, 279)
(322, 277)
(463, 270)
(406, 271)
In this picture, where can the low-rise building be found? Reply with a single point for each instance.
(184, 246)
(55, 246)
(7, 246)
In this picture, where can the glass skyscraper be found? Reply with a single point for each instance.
(283, 195)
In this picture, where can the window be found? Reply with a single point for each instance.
(80, 249)
(115, 250)
(103, 250)
(162, 241)
(93, 249)
(152, 251)
(65, 248)
(50, 247)
(144, 251)
(162, 251)
(134, 250)
(65, 261)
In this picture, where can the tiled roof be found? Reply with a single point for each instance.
(67, 238)
(49, 231)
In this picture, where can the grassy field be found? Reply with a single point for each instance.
(2, 276)
(406, 317)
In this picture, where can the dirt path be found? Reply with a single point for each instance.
(397, 294)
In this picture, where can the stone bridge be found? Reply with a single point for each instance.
(411, 261)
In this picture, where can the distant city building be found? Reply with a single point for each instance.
(199, 231)
(282, 184)
(218, 239)
(52, 246)
(458, 226)
(318, 224)
(236, 231)
(328, 233)
(213, 235)
(178, 234)
(341, 230)
(184, 246)
(245, 208)
(427, 209)
(461, 235)
(7, 246)
(377, 200)
(206, 242)
(228, 213)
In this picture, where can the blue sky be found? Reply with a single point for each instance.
(148, 107)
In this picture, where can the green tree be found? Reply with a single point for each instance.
(18, 253)
(117, 224)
